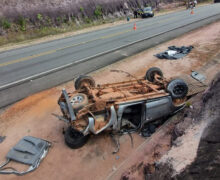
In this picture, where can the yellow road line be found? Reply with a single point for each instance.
(73, 45)
(53, 51)
(27, 58)
(116, 34)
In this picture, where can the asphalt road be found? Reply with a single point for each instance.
(22, 63)
(31, 69)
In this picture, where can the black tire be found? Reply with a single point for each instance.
(74, 139)
(151, 72)
(81, 79)
(78, 101)
(177, 88)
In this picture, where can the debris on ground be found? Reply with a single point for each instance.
(30, 151)
(148, 130)
(2, 138)
(174, 52)
(198, 76)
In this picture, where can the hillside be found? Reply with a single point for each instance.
(68, 10)
(27, 19)
(71, 8)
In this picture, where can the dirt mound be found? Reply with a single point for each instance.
(207, 163)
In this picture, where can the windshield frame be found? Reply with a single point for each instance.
(147, 9)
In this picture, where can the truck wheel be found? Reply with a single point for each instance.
(75, 139)
(78, 101)
(82, 80)
(177, 88)
(151, 73)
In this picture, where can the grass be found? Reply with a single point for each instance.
(21, 35)
(188, 104)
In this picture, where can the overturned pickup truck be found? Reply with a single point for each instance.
(92, 109)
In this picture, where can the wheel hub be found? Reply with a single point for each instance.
(178, 90)
(76, 99)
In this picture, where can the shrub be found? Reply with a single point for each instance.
(188, 104)
(65, 19)
(81, 9)
(48, 21)
(5, 23)
(22, 22)
(58, 19)
(73, 18)
(39, 17)
(87, 20)
(98, 11)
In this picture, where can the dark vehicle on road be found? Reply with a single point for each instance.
(92, 109)
(145, 12)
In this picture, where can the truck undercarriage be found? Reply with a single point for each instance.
(92, 109)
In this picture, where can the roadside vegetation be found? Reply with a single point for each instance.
(17, 28)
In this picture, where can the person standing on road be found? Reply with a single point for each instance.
(135, 13)
(191, 4)
(195, 3)
(156, 4)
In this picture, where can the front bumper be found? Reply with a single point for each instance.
(111, 123)
(66, 106)
(147, 15)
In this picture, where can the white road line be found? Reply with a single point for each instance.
(96, 55)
